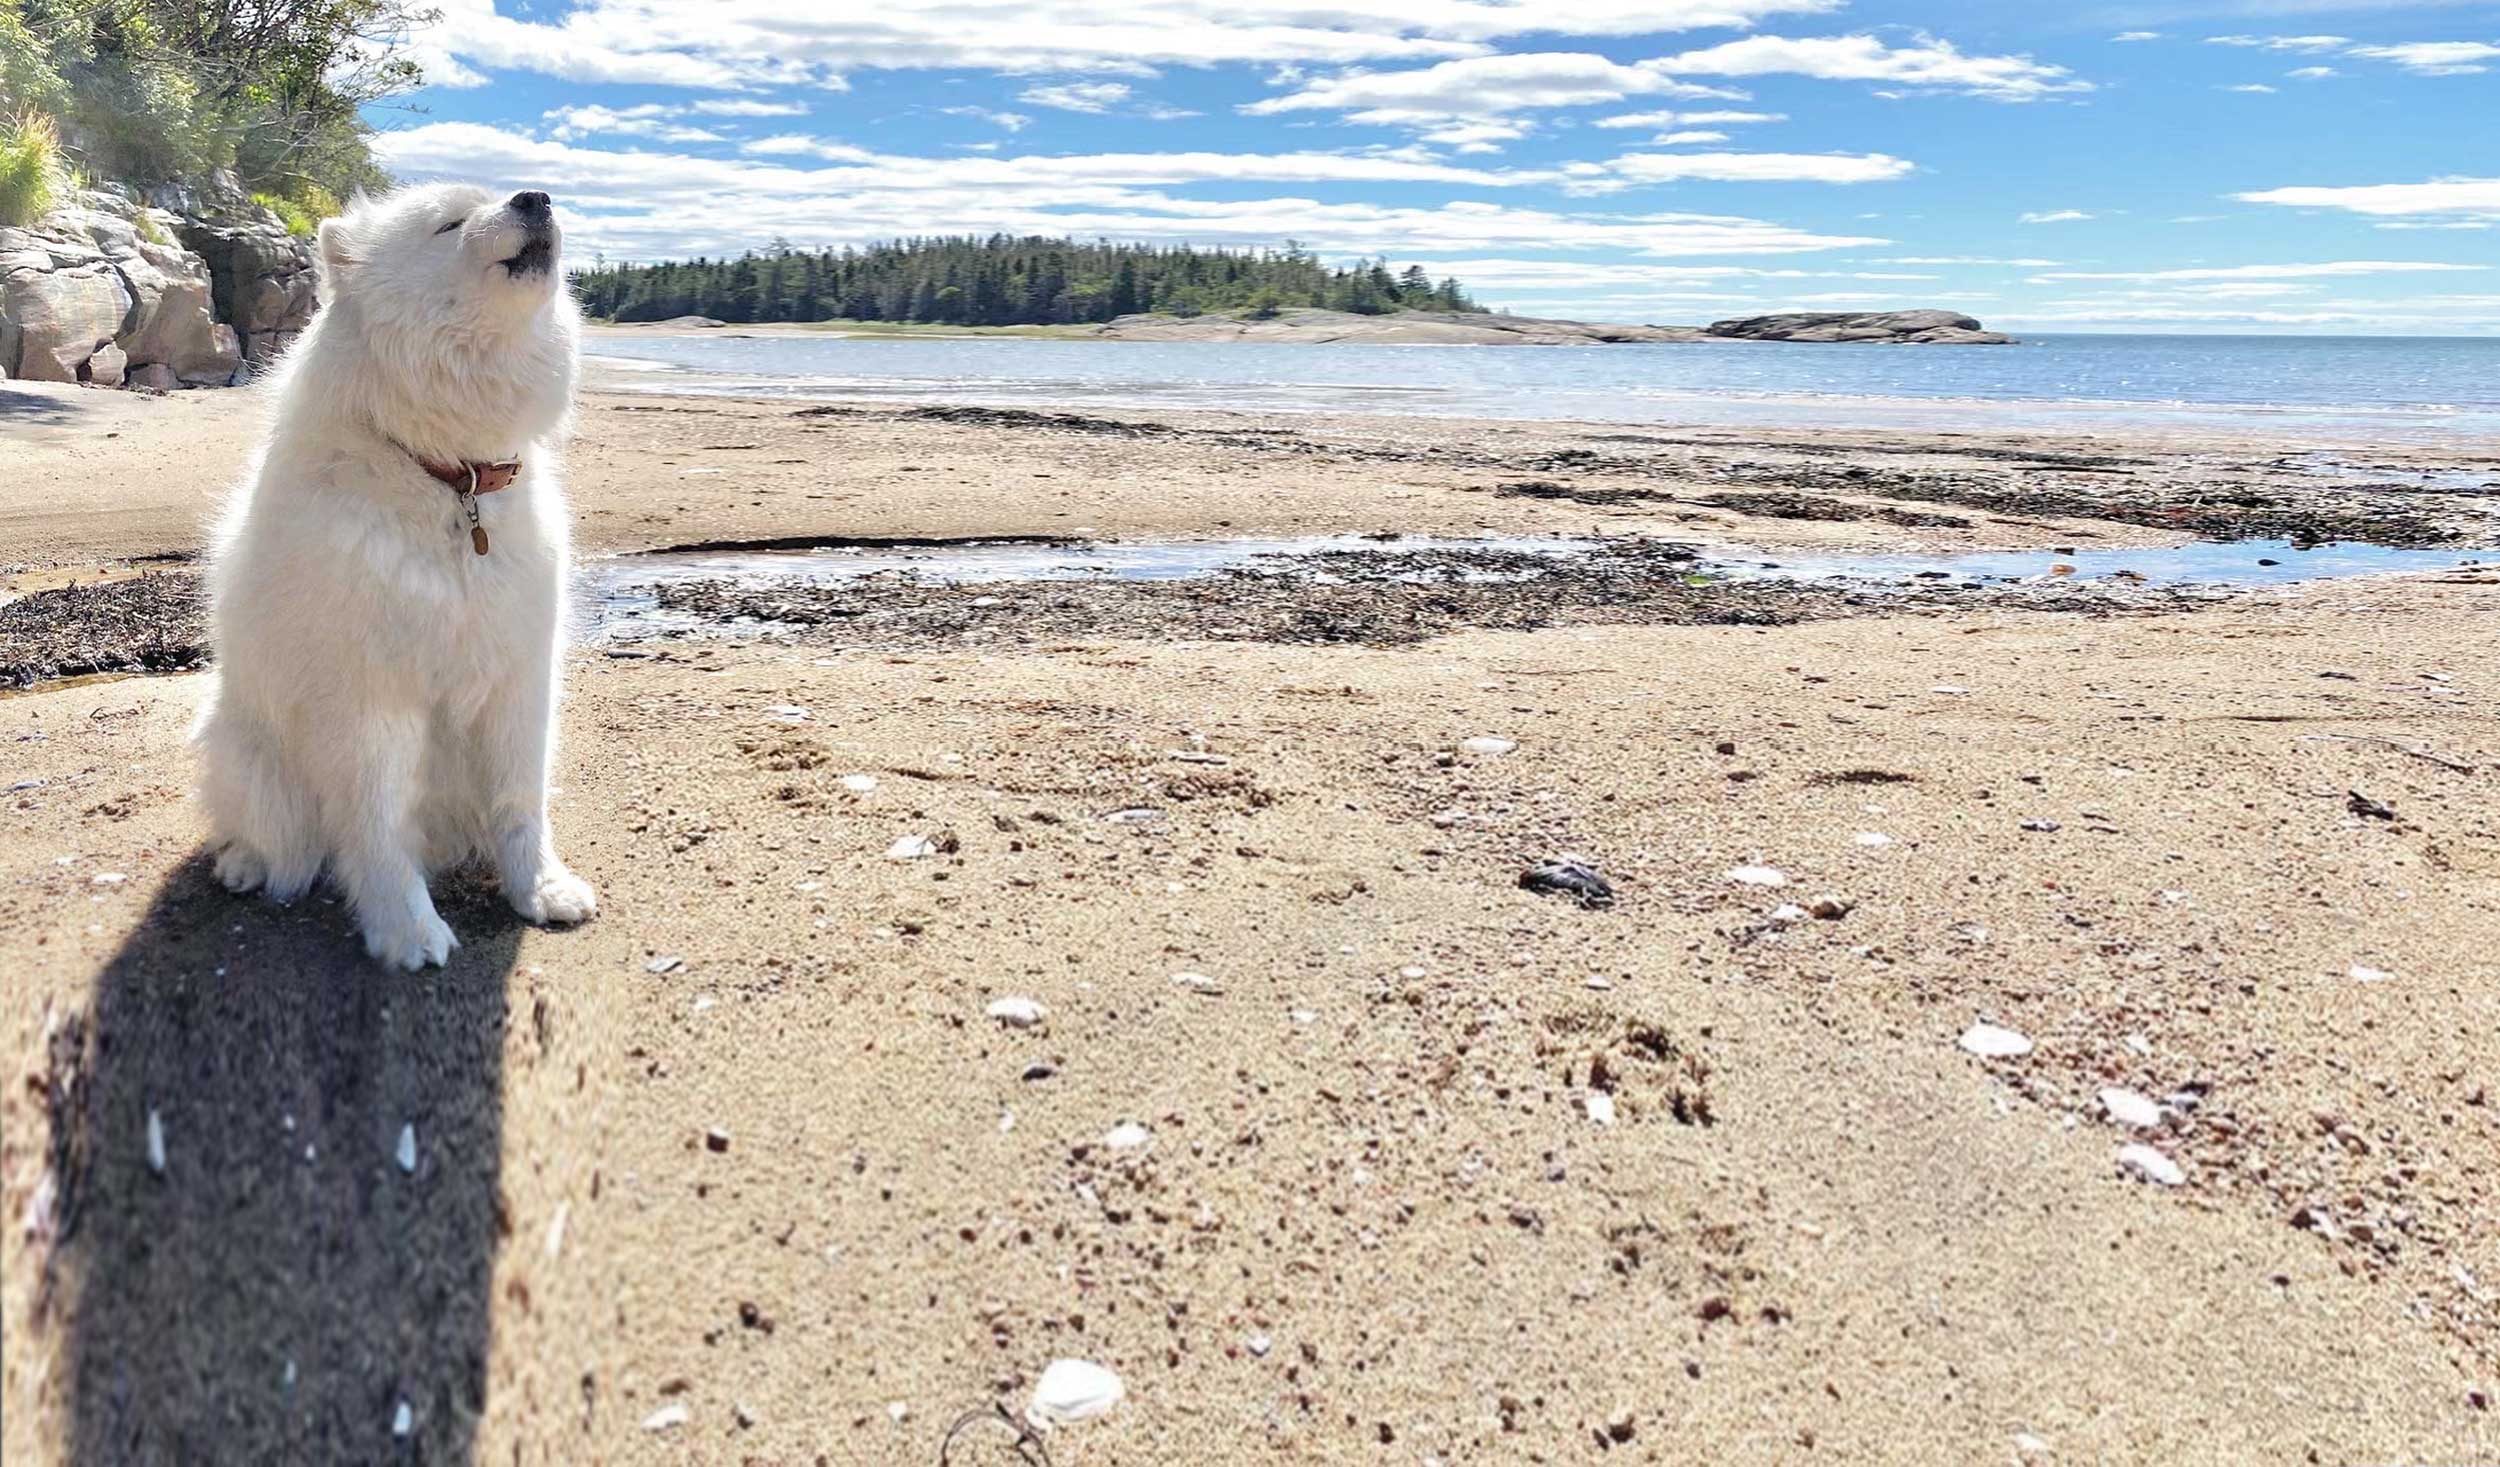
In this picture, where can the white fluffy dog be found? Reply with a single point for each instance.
(388, 584)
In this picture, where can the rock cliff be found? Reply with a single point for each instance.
(184, 288)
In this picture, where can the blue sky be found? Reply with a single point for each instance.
(2170, 165)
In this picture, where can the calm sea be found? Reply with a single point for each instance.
(2426, 390)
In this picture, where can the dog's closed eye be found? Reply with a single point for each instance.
(448, 228)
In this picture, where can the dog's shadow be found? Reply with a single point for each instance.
(283, 1284)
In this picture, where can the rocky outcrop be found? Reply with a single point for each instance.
(264, 280)
(1925, 328)
(1493, 328)
(1400, 328)
(111, 290)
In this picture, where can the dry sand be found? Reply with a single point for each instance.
(748, 1144)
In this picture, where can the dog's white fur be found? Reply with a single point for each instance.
(385, 698)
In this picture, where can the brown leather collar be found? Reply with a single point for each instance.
(471, 477)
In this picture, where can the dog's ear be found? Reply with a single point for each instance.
(337, 256)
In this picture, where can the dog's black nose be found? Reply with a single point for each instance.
(529, 204)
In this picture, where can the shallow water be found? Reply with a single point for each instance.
(2419, 390)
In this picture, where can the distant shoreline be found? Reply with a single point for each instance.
(1398, 328)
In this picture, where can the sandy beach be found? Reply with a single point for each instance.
(1331, 1139)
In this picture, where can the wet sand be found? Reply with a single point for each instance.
(749, 1144)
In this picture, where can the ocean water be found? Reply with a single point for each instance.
(2430, 391)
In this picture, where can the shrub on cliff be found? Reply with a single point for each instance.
(32, 178)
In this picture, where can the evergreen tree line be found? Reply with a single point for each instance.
(1003, 281)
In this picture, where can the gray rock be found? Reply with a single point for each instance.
(1927, 327)
(104, 369)
(217, 362)
(59, 317)
(155, 376)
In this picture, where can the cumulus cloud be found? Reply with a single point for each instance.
(1749, 168)
(649, 120)
(2123, 37)
(1964, 260)
(1011, 121)
(2310, 73)
(1928, 65)
(2435, 58)
(2456, 195)
(733, 44)
(2257, 87)
(2053, 216)
(1485, 86)
(1077, 96)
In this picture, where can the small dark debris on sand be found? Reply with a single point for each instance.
(149, 623)
(1580, 493)
(1583, 884)
(1772, 505)
(1384, 597)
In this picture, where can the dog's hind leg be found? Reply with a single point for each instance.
(264, 821)
(371, 783)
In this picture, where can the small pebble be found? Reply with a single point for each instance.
(1488, 745)
(403, 1421)
(2046, 827)
(1788, 914)
(716, 1140)
(1832, 908)
(2127, 1108)
(668, 1417)
(1950, 690)
(1872, 838)
(2151, 1165)
(1601, 1107)
(1071, 1391)
(859, 784)
(1127, 1136)
(787, 713)
(109, 878)
(1017, 1012)
(899, 1411)
(1197, 983)
(911, 848)
(1758, 876)
(156, 1144)
(1990, 1041)
(2370, 975)
(406, 1155)
(665, 963)
(1258, 1345)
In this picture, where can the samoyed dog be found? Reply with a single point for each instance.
(387, 585)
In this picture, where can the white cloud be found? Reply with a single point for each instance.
(649, 120)
(1683, 119)
(732, 44)
(2435, 58)
(1077, 96)
(747, 107)
(1687, 139)
(1484, 86)
(2266, 272)
(1750, 168)
(653, 205)
(2311, 73)
(2259, 87)
(2470, 196)
(1963, 260)
(2053, 216)
(1930, 64)
(2126, 36)
(1011, 121)
(2283, 43)
(1476, 136)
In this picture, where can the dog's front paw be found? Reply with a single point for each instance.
(559, 897)
(411, 942)
(241, 868)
